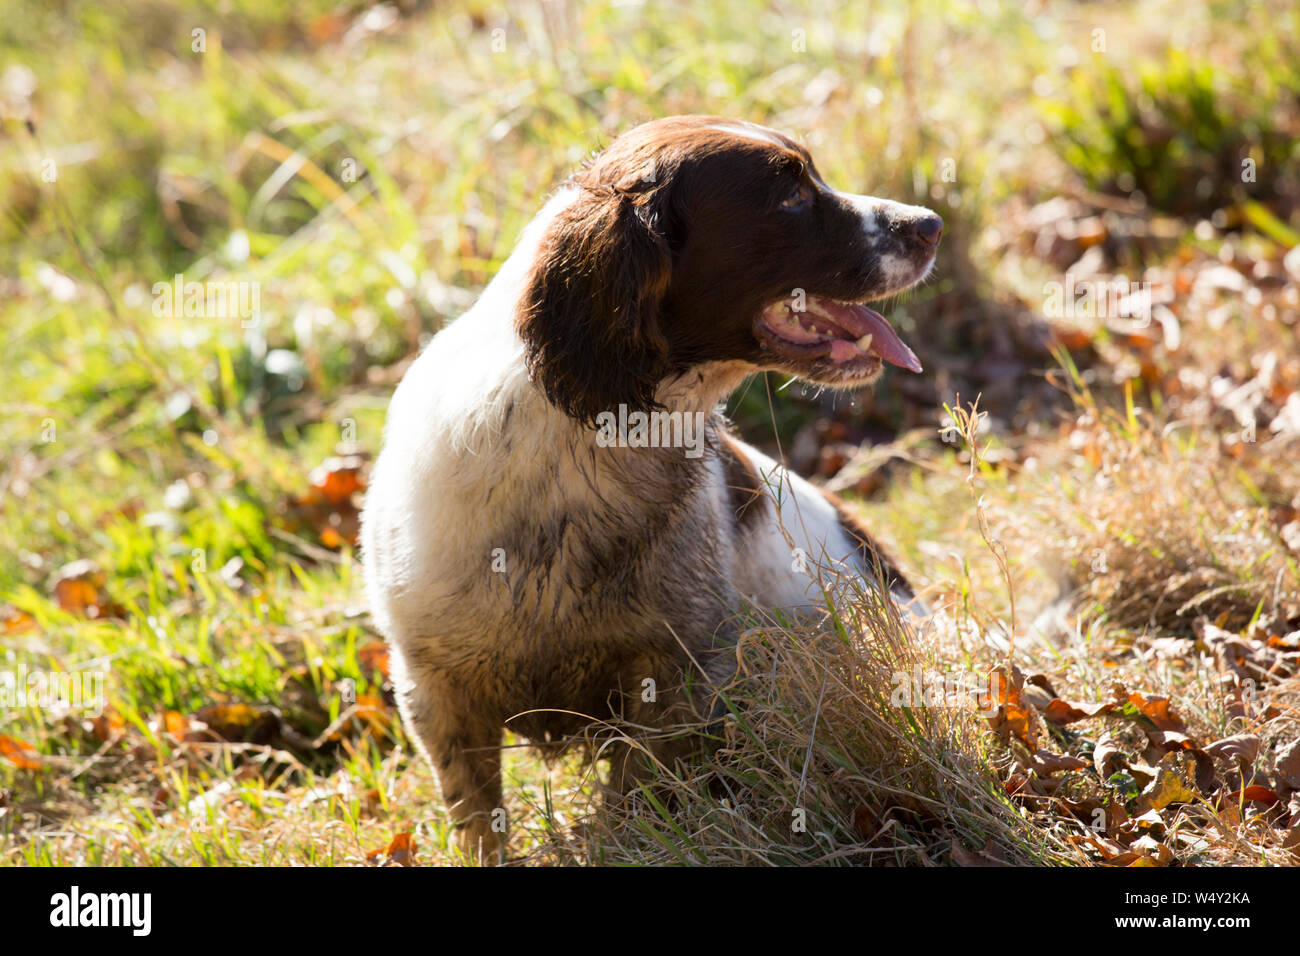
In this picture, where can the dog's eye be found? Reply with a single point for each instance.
(799, 196)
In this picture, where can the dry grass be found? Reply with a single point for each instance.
(822, 761)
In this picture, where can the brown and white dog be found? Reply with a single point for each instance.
(534, 562)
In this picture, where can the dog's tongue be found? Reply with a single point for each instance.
(858, 321)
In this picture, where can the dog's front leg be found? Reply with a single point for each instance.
(465, 752)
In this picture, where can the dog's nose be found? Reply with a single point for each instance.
(929, 229)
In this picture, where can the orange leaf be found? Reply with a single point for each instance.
(77, 590)
(16, 621)
(1063, 712)
(373, 709)
(175, 724)
(1158, 711)
(402, 850)
(76, 595)
(108, 725)
(374, 657)
(1011, 716)
(338, 479)
(19, 753)
(1257, 794)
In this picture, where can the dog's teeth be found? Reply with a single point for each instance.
(864, 343)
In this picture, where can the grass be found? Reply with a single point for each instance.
(178, 493)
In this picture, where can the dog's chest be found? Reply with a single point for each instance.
(591, 543)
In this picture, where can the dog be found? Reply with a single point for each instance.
(560, 527)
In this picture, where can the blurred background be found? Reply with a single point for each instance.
(180, 473)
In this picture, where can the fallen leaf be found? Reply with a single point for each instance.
(1150, 821)
(1241, 747)
(865, 821)
(1108, 756)
(1287, 764)
(374, 711)
(1153, 850)
(1011, 716)
(236, 723)
(1046, 762)
(1158, 711)
(338, 479)
(1169, 786)
(16, 621)
(400, 852)
(1255, 794)
(108, 725)
(20, 753)
(987, 855)
(1062, 712)
(374, 657)
(174, 723)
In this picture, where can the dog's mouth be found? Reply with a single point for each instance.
(832, 336)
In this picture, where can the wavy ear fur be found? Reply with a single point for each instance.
(589, 316)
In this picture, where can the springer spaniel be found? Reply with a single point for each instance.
(560, 526)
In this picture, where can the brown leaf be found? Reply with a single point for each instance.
(1241, 747)
(1165, 741)
(1108, 756)
(373, 710)
(987, 855)
(20, 753)
(108, 725)
(400, 852)
(1107, 848)
(1041, 680)
(374, 657)
(1046, 762)
(1153, 851)
(865, 821)
(1011, 716)
(1255, 794)
(1292, 842)
(236, 723)
(1287, 764)
(1062, 712)
(78, 588)
(1158, 711)
(1151, 821)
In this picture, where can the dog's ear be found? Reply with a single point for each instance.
(589, 315)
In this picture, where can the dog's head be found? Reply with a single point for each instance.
(695, 240)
